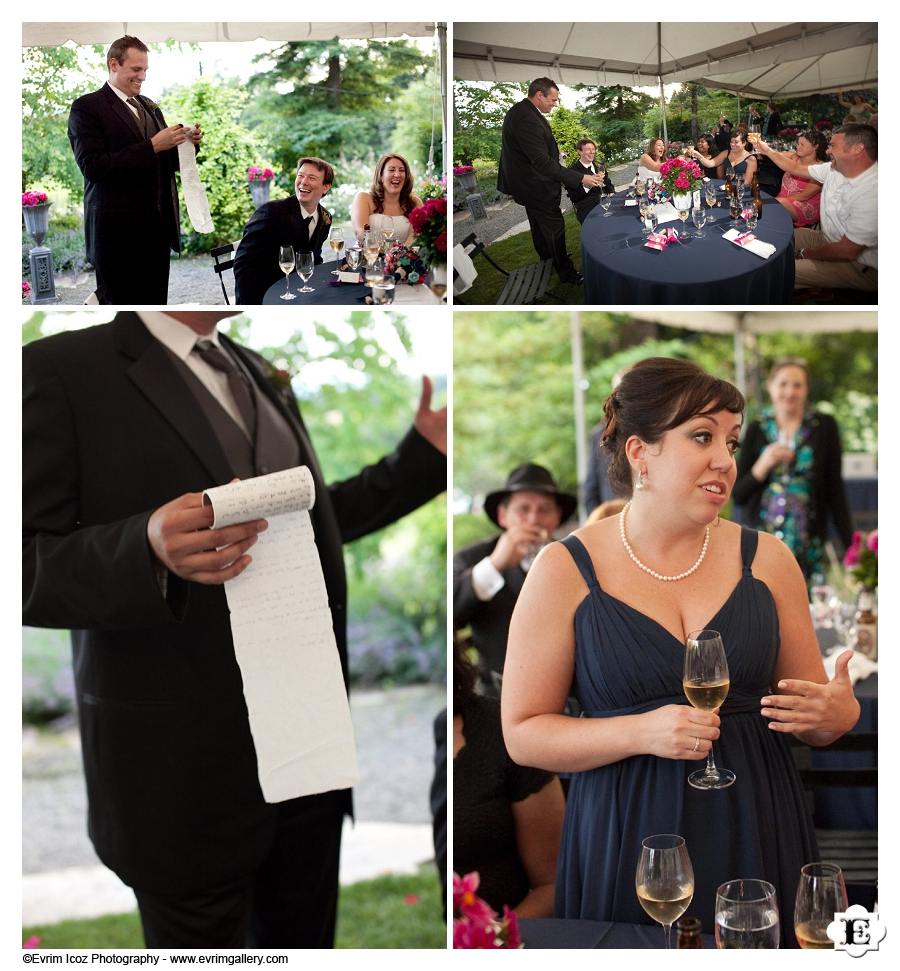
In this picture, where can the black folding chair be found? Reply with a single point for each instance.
(525, 284)
(223, 259)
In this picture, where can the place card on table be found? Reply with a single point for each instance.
(665, 212)
(750, 243)
(349, 277)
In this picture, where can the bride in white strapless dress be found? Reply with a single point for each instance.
(650, 162)
(390, 195)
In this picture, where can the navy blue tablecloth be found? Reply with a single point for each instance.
(554, 933)
(618, 269)
(324, 293)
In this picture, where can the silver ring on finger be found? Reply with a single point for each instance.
(696, 743)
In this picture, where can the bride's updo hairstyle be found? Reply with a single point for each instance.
(653, 396)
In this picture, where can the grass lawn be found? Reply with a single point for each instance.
(390, 911)
(519, 251)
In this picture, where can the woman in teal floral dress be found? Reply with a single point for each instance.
(789, 470)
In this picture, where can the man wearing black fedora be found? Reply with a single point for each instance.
(488, 576)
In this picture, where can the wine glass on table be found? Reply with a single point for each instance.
(353, 257)
(336, 242)
(821, 894)
(286, 262)
(374, 271)
(387, 230)
(683, 205)
(710, 195)
(383, 289)
(305, 266)
(699, 218)
(747, 915)
(664, 880)
(706, 682)
(605, 201)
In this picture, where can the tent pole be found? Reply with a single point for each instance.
(662, 96)
(442, 56)
(578, 400)
(740, 364)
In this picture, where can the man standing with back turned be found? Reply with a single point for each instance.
(530, 172)
(128, 157)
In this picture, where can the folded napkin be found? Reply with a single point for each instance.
(665, 213)
(749, 242)
(631, 202)
(859, 669)
(195, 199)
(464, 271)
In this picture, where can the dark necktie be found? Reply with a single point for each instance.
(238, 384)
(308, 220)
(141, 115)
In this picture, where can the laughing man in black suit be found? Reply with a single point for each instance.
(583, 198)
(284, 222)
(128, 157)
(530, 172)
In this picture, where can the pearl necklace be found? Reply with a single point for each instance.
(644, 567)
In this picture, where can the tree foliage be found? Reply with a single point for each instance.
(478, 113)
(416, 107)
(227, 151)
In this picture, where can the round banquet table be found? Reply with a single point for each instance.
(552, 932)
(618, 269)
(325, 293)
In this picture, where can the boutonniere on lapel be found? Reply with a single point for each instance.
(280, 379)
(326, 217)
(151, 105)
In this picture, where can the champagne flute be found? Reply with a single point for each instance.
(683, 215)
(387, 229)
(747, 915)
(437, 281)
(706, 683)
(664, 880)
(821, 894)
(305, 264)
(699, 217)
(336, 242)
(286, 262)
(371, 246)
(710, 195)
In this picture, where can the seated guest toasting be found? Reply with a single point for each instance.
(801, 196)
(299, 221)
(707, 153)
(739, 158)
(583, 197)
(650, 162)
(386, 206)
(844, 251)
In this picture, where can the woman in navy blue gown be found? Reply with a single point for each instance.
(606, 613)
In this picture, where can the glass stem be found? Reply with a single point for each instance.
(286, 277)
(668, 929)
(710, 762)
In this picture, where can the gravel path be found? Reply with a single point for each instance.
(506, 218)
(395, 746)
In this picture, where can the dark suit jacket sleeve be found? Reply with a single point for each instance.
(833, 485)
(530, 140)
(87, 134)
(77, 577)
(256, 263)
(465, 602)
(576, 192)
(386, 491)
(746, 486)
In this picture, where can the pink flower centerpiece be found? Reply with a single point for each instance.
(32, 198)
(680, 176)
(429, 222)
(861, 559)
(257, 174)
(475, 924)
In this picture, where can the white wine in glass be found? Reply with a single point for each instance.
(664, 880)
(286, 263)
(747, 915)
(706, 682)
(387, 228)
(336, 242)
(821, 894)
(305, 265)
(371, 246)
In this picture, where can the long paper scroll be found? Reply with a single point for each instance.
(194, 194)
(284, 640)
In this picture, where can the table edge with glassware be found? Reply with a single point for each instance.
(610, 279)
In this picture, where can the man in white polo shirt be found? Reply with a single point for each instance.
(843, 252)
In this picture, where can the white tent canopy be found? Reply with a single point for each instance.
(56, 34)
(762, 321)
(759, 59)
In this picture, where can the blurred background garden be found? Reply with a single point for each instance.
(261, 104)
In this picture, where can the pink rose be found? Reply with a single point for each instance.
(872, 541)
(440, 242)
(682, 182)
(851, 557)
(470, 936)
(510, 932)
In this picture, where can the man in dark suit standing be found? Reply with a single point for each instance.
(530, 172)
(128, 157)
(488, 576)
(584, 199)
(299, 221)
(124, 425)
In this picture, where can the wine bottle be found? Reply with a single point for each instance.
(689, 929)
(757, 199)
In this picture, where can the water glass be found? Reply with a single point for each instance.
(699, 218)
(383, 289)
(747, 915)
